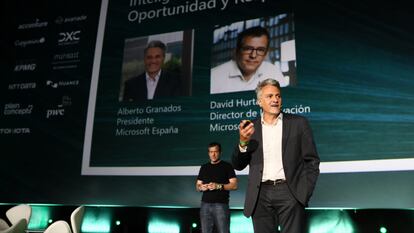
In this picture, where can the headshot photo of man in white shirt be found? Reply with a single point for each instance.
(248, 66)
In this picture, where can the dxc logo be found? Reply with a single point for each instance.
(69, 36)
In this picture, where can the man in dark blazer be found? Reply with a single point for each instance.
(154, 83)
(283, 164)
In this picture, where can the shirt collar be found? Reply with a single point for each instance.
(236, 73)
(279, 118)
(157, 77)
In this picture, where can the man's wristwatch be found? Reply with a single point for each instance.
(219, 186)
(243, 143)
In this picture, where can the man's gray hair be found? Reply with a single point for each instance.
(269, 81)
(156, 44)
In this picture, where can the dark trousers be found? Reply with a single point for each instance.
(215, 214)
(276, 206)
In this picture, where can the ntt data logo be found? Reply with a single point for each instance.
(22, 86)
(24, 43)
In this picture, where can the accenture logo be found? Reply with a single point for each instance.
(36, 24)
(24, 43)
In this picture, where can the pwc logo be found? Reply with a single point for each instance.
(25, 67)
(59, 110)
(55, 112)
(66, 38)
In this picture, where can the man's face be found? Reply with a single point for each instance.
(214, 154)
(153, 60)
(251, 54)
(270, 100)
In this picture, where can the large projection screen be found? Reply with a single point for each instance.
(66, 118)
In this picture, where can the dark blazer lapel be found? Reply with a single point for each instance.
(285, 132)
(161, 85)
(260, 139)
(142, 87)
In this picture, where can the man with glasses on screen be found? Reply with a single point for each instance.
(154, 83)
(248, 66)
(215, 179)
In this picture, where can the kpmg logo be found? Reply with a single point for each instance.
(24, 43)
(25, 67)
(66, 38)
(73, 19)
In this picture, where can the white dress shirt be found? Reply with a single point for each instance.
(227, 77)
(152, 84)
(272, 150)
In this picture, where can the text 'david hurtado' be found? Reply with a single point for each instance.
(225, 115)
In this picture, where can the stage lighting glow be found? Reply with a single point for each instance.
(97, 221)
(50, 221)
(159, 226)
(331, 221)
(117, 222)
(240, 224)
(194, 225)
(39, 218)
(383, 230)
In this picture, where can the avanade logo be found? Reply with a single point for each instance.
(62, 20)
